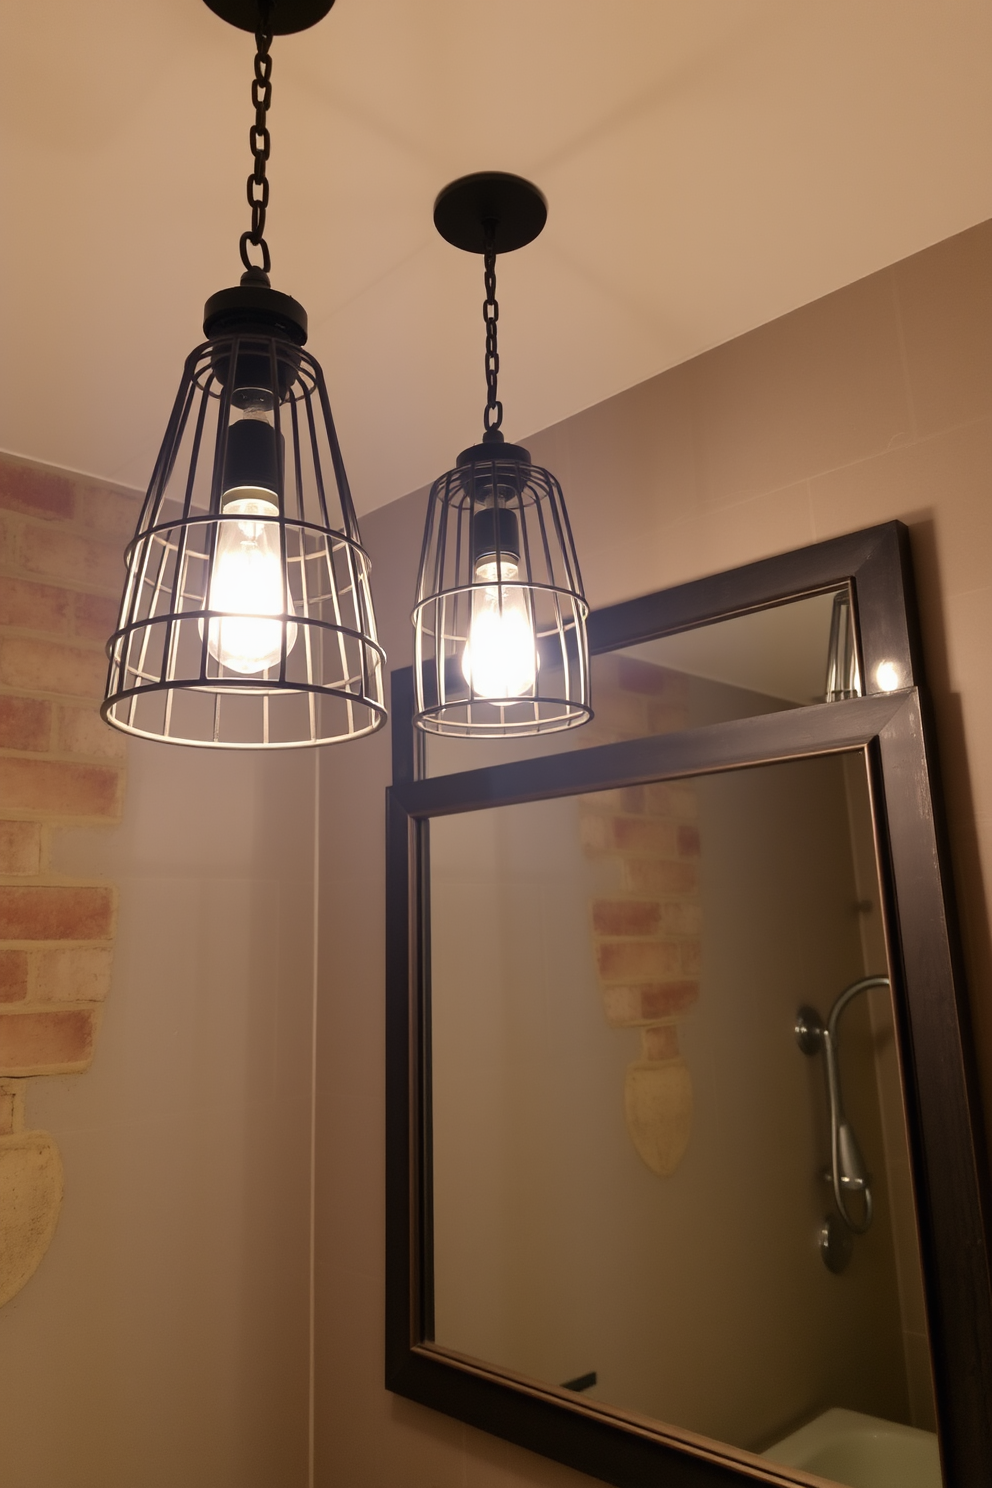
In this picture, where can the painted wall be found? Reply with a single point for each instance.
(873, 403)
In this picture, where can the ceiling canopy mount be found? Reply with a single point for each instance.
(509, 208)
(278, 17)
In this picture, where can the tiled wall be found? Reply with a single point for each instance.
(873, 403)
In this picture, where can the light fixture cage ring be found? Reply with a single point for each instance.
(299, 662)
(498, 537)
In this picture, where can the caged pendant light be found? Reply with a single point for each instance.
(500, 615)
(247, 618)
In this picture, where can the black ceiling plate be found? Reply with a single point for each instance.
(287, 15)
(516, 207)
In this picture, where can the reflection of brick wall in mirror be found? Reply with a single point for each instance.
(60, 573)
(647, 923)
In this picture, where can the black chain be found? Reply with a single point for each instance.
(258, 142)
(493, 416)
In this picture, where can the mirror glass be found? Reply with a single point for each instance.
(787, 656)
(648, 1187)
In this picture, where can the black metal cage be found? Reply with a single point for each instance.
(500, 617)
(247, 617)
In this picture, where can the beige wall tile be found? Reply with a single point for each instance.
(943, 480)
(817, 389)
(628, 561)
(945, 307)
(606, 454)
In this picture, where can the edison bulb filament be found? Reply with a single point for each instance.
(247, 587)
(499, 662)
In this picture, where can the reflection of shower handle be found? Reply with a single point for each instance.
(847, 1168)
(848, 1174)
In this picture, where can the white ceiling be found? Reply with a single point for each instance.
(709, 165)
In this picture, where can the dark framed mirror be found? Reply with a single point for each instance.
(685, 1181)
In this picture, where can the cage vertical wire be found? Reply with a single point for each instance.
(290, 658)
(500, 613)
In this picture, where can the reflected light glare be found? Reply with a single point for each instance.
(500, 658)
(246, 584)
(887, 676)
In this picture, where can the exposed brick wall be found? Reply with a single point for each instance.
(646, 935)
(61, 571)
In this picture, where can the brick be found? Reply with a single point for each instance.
(113, 513)
(626, 799)
(651, 1002)
(637, 960)
(95, 616)
(596, 833)
(680, 917)
(654, 876)
(57, 788)
(628, 834)
(36, 490)
(660, 1041)
(83, 731)
(9, 542)
(56, 912)
(622, 1006)
(664, 999)
(671, 799)
(51, 1042)
(688, 841)
(626, 916)
(14, 967)
(75, 975)
(48, 666)
(20, 847)
(56, 553)
(691, 955)
(632, 800)
(25, 723)
(638, 800)
(636, 834)
(33, 606)
(11, 1108)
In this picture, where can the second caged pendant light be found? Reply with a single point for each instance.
(247, 621)
(500, 614)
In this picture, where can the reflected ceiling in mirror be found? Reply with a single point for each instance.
(793, 654)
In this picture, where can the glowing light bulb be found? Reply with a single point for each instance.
(247, 586)
(500, 658)
(887, 676)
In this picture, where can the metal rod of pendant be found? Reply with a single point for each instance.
(493, 416)
(259, 143)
